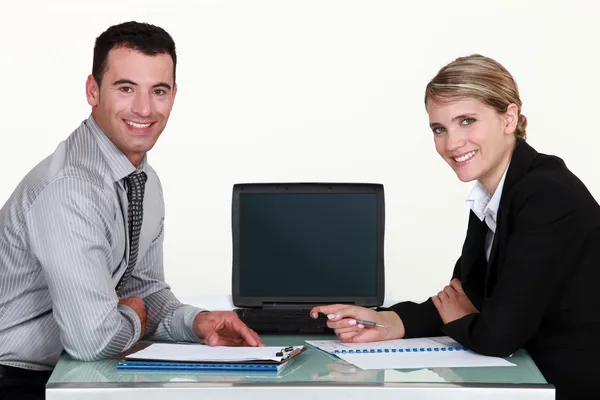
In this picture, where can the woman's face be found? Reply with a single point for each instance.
(473, 138)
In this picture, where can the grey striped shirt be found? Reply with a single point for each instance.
(63, 249)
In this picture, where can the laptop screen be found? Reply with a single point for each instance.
(308, 243)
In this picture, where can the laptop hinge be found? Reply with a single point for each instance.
(294, 306)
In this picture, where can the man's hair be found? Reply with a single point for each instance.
(145, 38)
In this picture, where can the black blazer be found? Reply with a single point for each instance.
(539, 289)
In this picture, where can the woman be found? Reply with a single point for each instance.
(530, 263)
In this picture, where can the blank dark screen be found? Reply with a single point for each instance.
(308, 245)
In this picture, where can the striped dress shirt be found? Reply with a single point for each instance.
(63, 248)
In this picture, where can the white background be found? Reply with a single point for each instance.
(306, 91)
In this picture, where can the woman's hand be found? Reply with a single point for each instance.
(452, 303)
(342, 318)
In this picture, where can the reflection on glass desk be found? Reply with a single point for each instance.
(314, 373)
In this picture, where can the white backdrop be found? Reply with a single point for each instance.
(307, 90)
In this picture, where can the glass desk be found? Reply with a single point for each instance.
(314, 375)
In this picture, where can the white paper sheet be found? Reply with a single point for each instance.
(200, 353)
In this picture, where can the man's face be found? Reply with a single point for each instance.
(134, 101)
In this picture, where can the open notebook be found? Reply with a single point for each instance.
(440, 351)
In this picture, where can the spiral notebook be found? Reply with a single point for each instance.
(431, 352)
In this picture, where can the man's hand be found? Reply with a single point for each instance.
(342, 319)
(224, 328)
(137, 305)
(452, 303)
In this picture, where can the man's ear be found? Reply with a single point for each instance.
(174, 94)
(511, 119)
(92, 91)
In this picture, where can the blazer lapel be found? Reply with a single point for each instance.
(490, 275)
(473, 262)
(474, 244)
(520, 163)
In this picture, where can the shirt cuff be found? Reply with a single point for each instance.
(133, 318)
(183, 323)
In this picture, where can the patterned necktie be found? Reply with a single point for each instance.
(135, 213)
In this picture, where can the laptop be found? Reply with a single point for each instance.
(298, 245)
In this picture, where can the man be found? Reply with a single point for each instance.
(81, 237)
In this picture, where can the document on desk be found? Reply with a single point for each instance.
(204, 353)
(430, 352)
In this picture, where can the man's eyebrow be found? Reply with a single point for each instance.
(162, 85)
(132, 83)
(124, 82)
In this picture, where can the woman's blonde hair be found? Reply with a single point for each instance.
(480, 78)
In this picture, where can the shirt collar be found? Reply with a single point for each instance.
(482, 203)
(118, 164)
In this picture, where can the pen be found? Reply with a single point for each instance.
(361, 322)
(369, 323)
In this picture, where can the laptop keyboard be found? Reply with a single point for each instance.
(282, 321)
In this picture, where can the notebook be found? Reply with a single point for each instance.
(431, 352)
(127, 365)
(298, 245)
(174, 356)
(414, 345)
